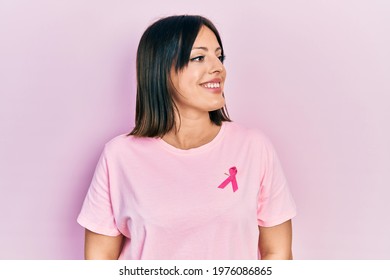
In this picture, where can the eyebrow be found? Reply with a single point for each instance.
(206, 49)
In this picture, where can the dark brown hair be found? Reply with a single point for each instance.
(165, 43)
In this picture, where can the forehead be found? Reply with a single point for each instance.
(206, 38)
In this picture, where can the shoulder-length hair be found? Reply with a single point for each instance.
(164, 44)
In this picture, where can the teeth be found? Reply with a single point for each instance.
(212, 85)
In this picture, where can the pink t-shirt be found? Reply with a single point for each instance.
(201, 203)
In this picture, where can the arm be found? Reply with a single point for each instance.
(275, 242)
(102, 247)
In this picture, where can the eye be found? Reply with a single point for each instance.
(198, 58)
(222, 58)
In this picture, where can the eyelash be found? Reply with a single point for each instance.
(198, 58)
(201, 58)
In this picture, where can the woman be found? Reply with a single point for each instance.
(186, 183)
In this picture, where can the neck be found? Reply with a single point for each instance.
(191, 132)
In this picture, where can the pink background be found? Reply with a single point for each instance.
(313, 75)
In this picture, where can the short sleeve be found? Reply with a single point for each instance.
(96, 213)
(275, 201)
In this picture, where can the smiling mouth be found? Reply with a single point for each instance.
(211, 85)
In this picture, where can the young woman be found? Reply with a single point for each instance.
(186, 183)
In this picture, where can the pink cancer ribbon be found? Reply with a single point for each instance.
(231, 178)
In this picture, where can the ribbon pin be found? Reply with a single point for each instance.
(231, 178)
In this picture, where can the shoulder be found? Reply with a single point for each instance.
(123, 143)
(245, 133)
(251, 138)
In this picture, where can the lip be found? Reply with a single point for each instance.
(216, 80)
(213, 90)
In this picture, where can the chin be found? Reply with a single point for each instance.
(216, 107)
(213, 104)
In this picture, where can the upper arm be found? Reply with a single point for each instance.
(275, 242)
(103, 247)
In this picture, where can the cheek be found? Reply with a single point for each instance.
(193, 74)
(223, 72)
(189, 82)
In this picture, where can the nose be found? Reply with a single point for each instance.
(216, 65)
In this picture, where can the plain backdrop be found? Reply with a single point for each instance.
(312, 75)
